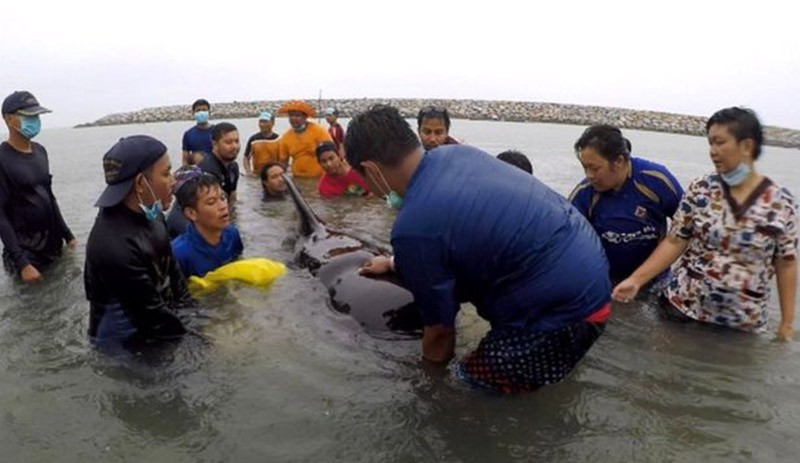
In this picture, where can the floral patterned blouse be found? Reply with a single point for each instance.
(724, 275)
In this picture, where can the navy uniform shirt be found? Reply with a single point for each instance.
(31, 226)
(632, 221)
(476, 229)
(197, 140)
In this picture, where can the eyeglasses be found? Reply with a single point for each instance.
(431, 110)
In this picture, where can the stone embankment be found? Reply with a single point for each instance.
(517, 111)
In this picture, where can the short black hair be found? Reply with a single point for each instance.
(517, 159)
(324, 147)
(220, 129)
(433, 112)
(200, 102)
(379, 134)
(607, 140)
(186, 196)
(264, 170)
(742, 123)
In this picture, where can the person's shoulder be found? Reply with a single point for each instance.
(582, 189)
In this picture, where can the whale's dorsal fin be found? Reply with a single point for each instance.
(309, 222)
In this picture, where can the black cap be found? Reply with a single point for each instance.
(24, 103)
(126, 159)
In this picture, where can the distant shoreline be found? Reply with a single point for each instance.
(491, 110)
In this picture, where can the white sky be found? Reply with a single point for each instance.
(88, 59)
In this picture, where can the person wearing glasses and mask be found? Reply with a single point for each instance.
(517, 250)
(626, 199)
(31, 226)
(734, 230)
(198, 138)
(133, 283)
(433, 127)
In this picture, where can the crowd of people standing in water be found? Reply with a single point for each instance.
(541, 268)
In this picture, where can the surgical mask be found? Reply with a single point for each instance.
(29, 126)
(393, 200)
(300, 129)
(738, 175)
(151, 213)
(201, 117)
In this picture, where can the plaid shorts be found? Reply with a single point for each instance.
(514, 361)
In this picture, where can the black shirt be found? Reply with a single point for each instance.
(31, 226)
(227, 176)
(129, 262)
(255, 137)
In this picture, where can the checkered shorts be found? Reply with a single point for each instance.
(514, 361)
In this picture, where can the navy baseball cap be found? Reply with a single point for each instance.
(24, 103)
(126, 159)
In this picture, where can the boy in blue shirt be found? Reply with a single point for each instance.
(209, 241)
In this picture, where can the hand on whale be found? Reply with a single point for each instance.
(378, 265)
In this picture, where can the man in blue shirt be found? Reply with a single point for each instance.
(627, 200)
(209, 241)
(198, 138)
(472, 228)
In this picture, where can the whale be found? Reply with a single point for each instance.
(381, 305)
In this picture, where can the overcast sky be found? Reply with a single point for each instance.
(85, 59)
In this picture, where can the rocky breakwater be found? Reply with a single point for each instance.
(517, 111)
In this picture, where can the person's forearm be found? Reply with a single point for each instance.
(786, 276)
(662, 257)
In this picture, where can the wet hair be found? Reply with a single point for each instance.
(742, 123)
(628, 145)
(219, 130)
(379, 134)
(187, 193)
(516, 159)
(200, 102)
(325, 147)
(433, 112)
(607, 140)
(264, 170)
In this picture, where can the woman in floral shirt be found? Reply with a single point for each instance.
(733, 231)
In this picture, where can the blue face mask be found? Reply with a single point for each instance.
(29, 126)
(151, 213)
(738, 175)
(394, 200)
(201, 117)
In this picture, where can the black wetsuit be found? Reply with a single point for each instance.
(31, 226)
(132, 278)
(228, 176)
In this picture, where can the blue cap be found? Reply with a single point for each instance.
(126, 159)
(266, 116)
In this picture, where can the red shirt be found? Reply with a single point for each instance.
(349, 184)
(337, 135)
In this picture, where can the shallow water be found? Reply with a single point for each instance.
(287, 379)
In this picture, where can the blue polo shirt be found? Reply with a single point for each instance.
(196, 257)
(632, 221)
(197, 139)
(476, 229)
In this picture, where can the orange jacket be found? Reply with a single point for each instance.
(302, 149)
